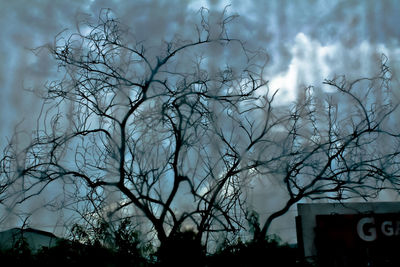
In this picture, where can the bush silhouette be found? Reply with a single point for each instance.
(268, 252)
(182, 249)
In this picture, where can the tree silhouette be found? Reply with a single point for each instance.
(339, 144)
(141, 125)
(174, 133)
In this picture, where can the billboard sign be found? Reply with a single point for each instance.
(350, 234)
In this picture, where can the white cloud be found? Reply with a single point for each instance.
(312, 62)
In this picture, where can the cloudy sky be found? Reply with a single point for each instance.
(307, 41)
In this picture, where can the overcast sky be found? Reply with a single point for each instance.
(307, 40)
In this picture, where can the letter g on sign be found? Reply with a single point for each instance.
(366, 229)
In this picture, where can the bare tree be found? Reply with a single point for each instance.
(174, 134)
(337, 144)
(132, 129)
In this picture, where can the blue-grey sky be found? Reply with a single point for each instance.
(330, 36)
(307, 40)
